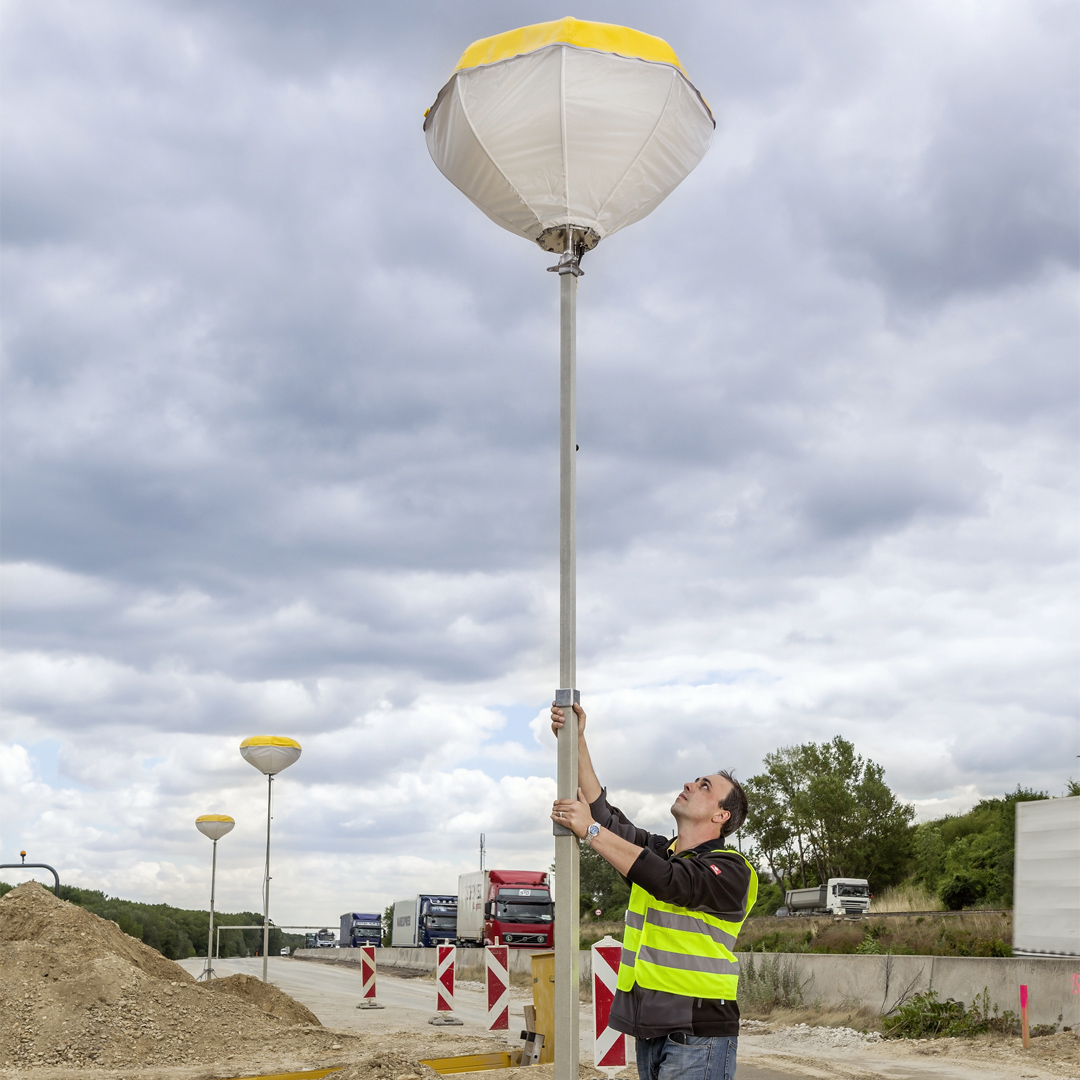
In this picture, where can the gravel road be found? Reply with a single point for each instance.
(332, 993)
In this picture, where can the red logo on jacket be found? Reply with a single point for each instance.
(715, 869)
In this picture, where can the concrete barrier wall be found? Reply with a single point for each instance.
(881, 981)
(469, 963)
(833, 981)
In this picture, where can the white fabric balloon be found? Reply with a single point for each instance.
(215, 826)
(568, 123)
(270, 754)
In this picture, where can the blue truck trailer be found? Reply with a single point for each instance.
(421, 922)
(358, 928)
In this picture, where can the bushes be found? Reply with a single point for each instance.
(961, 891)
(769, 983)
(924, 1016)
(967, 859)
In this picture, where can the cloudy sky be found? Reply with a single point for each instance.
(280, 435)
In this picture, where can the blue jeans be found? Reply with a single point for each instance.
(698, 1058)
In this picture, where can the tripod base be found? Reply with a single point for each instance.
(446, 1020)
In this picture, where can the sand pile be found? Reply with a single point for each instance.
(75, 990)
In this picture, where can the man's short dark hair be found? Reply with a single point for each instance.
(734, 803)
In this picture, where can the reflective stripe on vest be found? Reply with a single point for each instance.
(679, 951)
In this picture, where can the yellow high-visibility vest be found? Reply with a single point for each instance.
(679, 951)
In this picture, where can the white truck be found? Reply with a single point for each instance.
(839, 896)
(1046, 878)
(423, 921)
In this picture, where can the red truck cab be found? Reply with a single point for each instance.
(506, 907)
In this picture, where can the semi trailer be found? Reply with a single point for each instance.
(839, 896)
(506, 907)
(1046, 879)
(421, 922)
(360, 929)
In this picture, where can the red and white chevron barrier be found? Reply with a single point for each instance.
(609, 1045)
(444, 979)
(498, 987)
(367, 978)
(444, 988)
(367, 972)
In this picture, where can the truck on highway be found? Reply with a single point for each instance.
(421, 922)
(839, 896)
(1046, 879)
(326, 939)
(506, 907)
(311, 941)
(360, 929)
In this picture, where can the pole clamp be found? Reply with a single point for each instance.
(569, 263)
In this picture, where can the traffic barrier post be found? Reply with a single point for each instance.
(609, 1045)
(497, 964)
(367, 978)
(444, 988)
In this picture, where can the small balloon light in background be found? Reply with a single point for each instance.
(270, 754)
(214, 826)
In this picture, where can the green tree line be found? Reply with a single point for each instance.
(177, 933)
(821, 810)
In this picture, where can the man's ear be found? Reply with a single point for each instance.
(720, 820)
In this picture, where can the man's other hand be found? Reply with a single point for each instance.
(573, 813)
(558, 719)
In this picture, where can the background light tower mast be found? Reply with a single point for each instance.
(270, 754)
(564, 133)
(214, 826)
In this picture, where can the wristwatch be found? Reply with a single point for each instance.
(592, 832)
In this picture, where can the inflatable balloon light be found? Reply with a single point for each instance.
(214, 826)
(568, 123)
(270, 754)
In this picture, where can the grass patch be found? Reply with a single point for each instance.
(973, 933)
(908, 897)
(590, 931)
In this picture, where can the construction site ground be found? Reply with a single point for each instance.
(79, 998)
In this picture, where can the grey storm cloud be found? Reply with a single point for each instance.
(280, 417)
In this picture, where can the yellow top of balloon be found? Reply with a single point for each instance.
(215, 817)
(270, 740)
(603, 37)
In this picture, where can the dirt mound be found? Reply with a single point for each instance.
(267, 997)
(387, 1065)
(76, 991)
(32, 913)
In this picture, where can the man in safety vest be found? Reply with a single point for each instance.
(689, 897)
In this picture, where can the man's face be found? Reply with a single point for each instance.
(698, 802)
